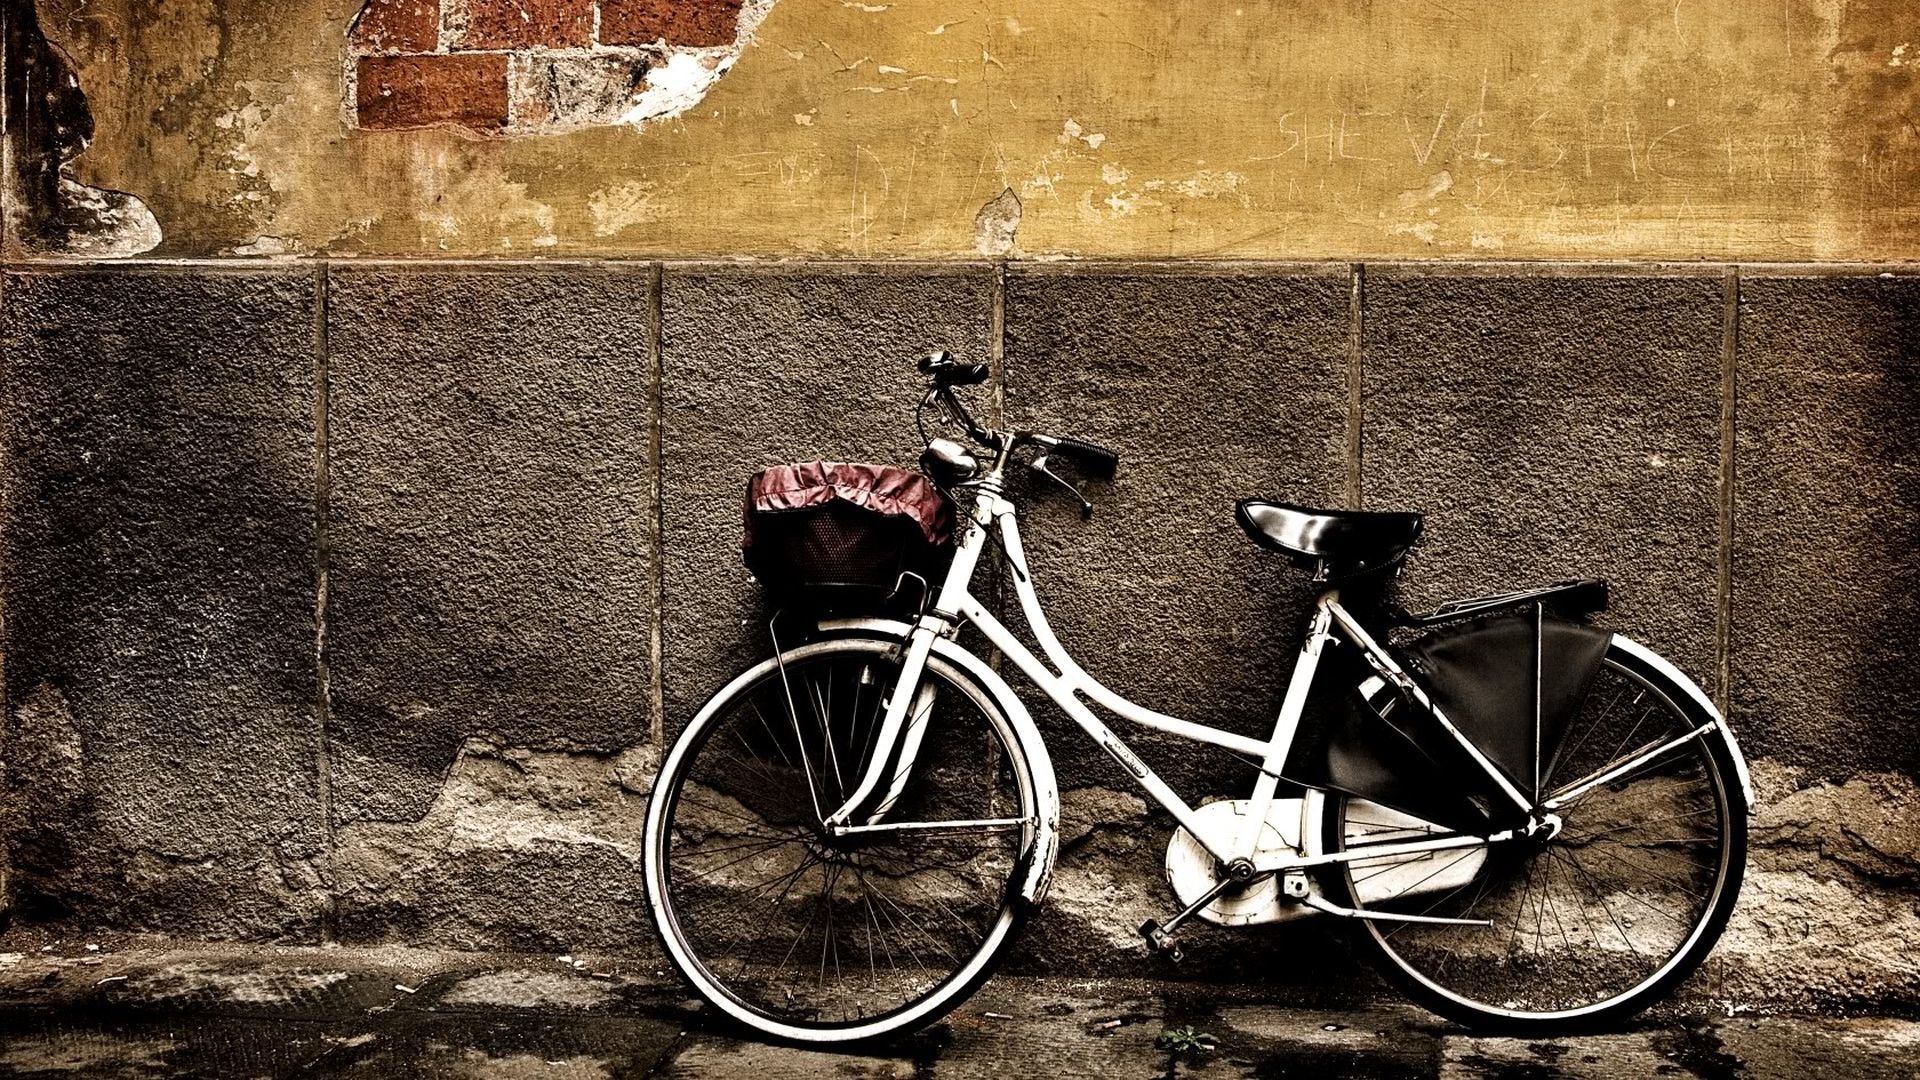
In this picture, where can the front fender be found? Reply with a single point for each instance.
(1046, 843)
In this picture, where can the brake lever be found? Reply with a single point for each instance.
(1039, 465)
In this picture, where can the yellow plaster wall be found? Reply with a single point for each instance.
(1647, 129)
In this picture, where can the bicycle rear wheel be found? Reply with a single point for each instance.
(1591, 922)
(810, 937)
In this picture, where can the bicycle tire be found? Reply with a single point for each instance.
(699, 951)
(1416, 957)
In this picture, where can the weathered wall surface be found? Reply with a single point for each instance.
(1259, 128)
(348, 598)
(165, 757)
(356, 600)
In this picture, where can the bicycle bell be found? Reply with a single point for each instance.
(949, 463)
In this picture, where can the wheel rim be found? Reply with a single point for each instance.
(1585, 916)
(799, 932)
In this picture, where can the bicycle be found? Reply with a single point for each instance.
(845, 839)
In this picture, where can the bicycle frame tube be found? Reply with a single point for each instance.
(1067, 684)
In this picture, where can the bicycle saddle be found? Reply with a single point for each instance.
(1333, 543)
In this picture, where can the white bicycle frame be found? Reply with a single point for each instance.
(1067, 683)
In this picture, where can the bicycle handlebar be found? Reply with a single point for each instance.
(944, 373)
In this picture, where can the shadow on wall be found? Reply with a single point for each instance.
(539, 67)
(159, 756)
(1889, 675)
(48, 124)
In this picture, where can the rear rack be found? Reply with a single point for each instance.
(1577, 598)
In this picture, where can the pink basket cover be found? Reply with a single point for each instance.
(883, 489)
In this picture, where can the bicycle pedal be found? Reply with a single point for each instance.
(1161, 942)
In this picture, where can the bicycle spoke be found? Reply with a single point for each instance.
(771, 737)
(1640, 824)
(1629, 894)
(723, 811)
(1641, 867)
(905, 942)
(759, 844)
(1586, 732)
(1446, 866)
(1600, 895)
(703, 875)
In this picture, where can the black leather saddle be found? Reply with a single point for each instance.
(1333, 544)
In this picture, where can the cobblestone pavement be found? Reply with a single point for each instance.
(127, 1009)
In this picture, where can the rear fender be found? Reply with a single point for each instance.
(1700, 701)
(1046, 843)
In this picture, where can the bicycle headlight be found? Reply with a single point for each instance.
(949, 463)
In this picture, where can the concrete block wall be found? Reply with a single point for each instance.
(354, 601)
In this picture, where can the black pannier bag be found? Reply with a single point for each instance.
(837, 536)
(1491, 676)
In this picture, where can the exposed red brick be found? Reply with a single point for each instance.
(465, 89)
(523, 24)
(677, 22)
(397, 26)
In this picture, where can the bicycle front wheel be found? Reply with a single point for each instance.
(1589, 923)
(809, 936)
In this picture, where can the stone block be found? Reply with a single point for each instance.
(1213, 385)
(763, 366)
(490, 521)
(1826, 592)
(163, 757)
(1554, 426)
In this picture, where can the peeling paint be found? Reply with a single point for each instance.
(626, 206)
(674, 87)
(47, 124)
(1437, 185)
(485, 196)
(996, 223)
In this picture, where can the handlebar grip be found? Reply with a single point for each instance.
(964, 375)
(1096, 461)
(946, 372)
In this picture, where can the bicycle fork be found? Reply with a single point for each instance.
(902, 728)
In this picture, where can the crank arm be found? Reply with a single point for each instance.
(1321, 903)
(1208, 897)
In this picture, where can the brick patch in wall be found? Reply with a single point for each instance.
(680, 22)
(397, 92)
(539, 67)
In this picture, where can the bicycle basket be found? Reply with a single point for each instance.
(838, 535)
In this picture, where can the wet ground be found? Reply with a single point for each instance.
(145, 1010)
